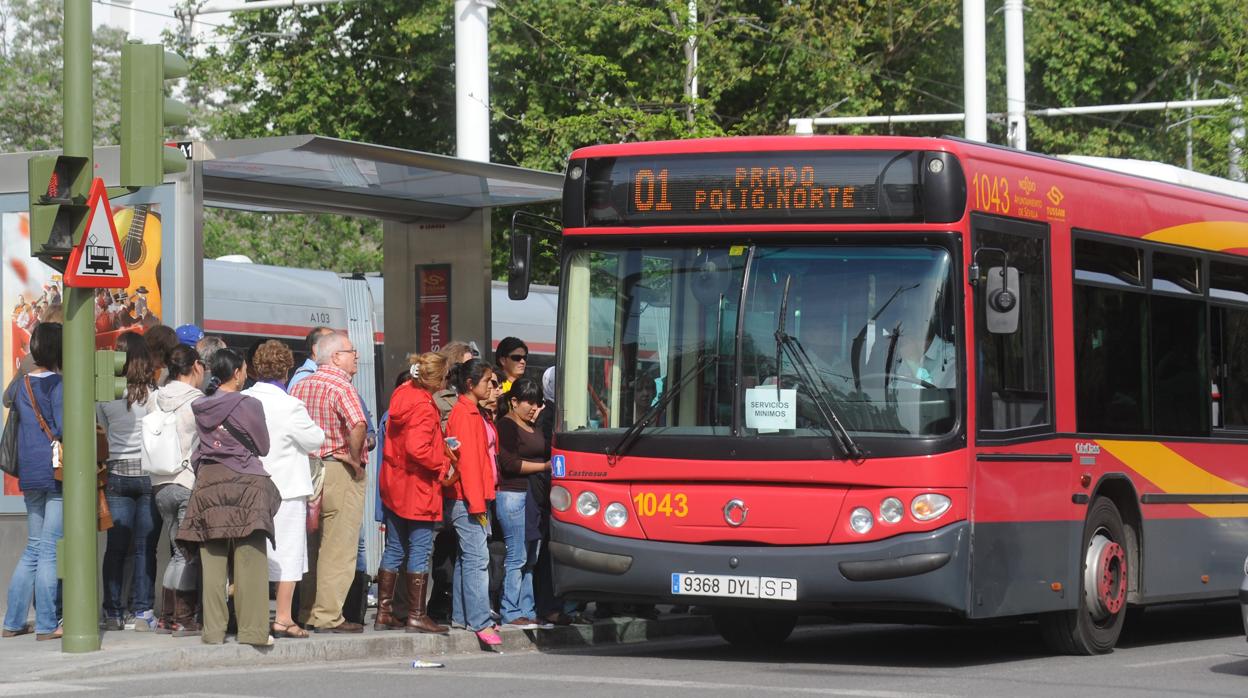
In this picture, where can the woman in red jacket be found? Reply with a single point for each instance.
(468, 496)
(414, 461)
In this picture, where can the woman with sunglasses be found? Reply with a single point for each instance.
(512, 357)
(180, 596)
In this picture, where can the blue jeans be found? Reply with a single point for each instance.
(517, 599)
(407, 538)
(135, 523)
(470, 585)
(181, 574)
(35, 574)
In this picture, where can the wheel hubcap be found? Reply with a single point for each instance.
(1105, 577)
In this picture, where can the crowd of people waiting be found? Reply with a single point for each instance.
(266, 485)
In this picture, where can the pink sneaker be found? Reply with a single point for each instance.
(489, 637)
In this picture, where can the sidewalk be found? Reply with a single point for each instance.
(126, 651)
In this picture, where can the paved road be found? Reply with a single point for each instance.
(1196, 651)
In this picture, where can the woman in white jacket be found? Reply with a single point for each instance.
(292, 436)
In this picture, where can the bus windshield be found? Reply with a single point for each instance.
(877, 323)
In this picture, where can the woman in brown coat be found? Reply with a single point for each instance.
(230, 513)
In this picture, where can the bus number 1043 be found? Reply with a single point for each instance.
(669, 505)
(991, 193)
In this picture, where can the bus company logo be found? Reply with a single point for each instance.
(1087, 448)
(1055, 197)
(1028, 185)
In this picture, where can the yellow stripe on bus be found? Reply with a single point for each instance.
(1209, 235)
(1175, 474)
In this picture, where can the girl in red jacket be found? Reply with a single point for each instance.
(468, 497)
(414, 461)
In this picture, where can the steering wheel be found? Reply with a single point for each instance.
(898, 377)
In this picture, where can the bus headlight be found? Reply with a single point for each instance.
(891, 510)
(926, 507)
(861, 520)
(616, 515)
(560, 498)
(587, 504)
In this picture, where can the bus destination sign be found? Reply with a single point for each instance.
(753, 187)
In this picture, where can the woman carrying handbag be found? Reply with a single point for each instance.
(35, 575)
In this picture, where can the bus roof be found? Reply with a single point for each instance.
(1163, 172)
(762, 143)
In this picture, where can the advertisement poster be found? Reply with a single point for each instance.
(433, 288)
(32, 291)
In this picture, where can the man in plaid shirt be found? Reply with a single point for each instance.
(335, 407)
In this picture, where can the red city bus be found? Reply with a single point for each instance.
(902, 377)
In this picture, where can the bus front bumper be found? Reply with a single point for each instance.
(928, 571)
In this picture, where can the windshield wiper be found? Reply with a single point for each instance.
(810, 377)
(617, 451)
(860, 339)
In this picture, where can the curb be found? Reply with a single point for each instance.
(192, 654)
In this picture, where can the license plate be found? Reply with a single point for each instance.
(774, 588)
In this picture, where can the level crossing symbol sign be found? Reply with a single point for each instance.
(96, 260)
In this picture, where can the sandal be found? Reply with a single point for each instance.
(489, 637)
(26, 630)
(292, 631)
(558, 618)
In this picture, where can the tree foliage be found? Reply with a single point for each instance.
(567, 73)
(31, 77)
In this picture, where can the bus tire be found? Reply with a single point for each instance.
(1094, 627)
(754, 629)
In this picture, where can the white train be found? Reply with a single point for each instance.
(245, 302)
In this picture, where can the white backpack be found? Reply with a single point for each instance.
(162, 450)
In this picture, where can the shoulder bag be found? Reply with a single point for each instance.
(8, 445)
(242, 437)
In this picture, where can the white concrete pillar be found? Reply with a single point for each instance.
(974, 68)
(1015, 76)
(472, 80)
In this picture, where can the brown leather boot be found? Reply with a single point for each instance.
(185, 610)
(417, 620)
(164, 624)
(385, 620)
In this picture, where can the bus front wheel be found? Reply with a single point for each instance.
(1094, 627)
(751, 628)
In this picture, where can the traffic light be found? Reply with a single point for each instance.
(145, 112)
(110, 377)
(58, 186)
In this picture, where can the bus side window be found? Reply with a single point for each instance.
(1014, 370)
(1228, 292)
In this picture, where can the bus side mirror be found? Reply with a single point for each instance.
(1001, 300)
(519, 268)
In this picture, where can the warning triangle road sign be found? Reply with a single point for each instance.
(96, 261)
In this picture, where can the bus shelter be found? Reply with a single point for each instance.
(435, 211)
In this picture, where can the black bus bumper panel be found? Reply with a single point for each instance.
(918, 570)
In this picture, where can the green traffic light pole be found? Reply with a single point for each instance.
(79, 555)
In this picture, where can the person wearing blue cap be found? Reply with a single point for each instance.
(189, 334)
